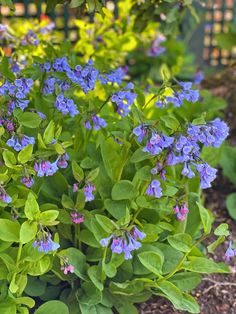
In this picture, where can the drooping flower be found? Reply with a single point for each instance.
(18, 143)
(181, 211)
(213, 133)
(157, 143)
(66, 266)
(88, 192)
(96, 121)
(4, 197)
(125, 243)
(137, 234)
(207, 175)
(230, 252)
(46, 244)
(27, 181)
(141, 132)
(154, 189)
(46, 168)
(62, 161)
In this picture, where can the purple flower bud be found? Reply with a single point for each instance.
(77, 218)
(27, 181)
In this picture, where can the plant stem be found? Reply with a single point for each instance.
(178, 267)
(19, 253)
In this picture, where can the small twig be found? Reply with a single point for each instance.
(216, 284)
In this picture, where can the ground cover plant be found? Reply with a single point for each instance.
(101, 180)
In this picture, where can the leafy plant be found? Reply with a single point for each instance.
(101, 184)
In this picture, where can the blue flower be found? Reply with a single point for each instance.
(88, 192)
(4, 197)
(46, 244)
(66, 106)
(123, 100)
(157, 143)
(230, 252)
(19, 143)
(207, 175)
(154, 189)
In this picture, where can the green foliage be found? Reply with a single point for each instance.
(168, 260)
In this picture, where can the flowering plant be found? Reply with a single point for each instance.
(100, 187)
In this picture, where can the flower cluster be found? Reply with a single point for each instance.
(77, 218)
(47, 168)
(181, 211)
(45, 244)
(178, 97)
(67, 267)
(123, 100)
(18, 143)
(66, 105)
(30, 38)
(213, 133)
(18, 92)
(125, 243)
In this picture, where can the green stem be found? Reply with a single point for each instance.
(178, 267)
(148, 102)
(19, 254)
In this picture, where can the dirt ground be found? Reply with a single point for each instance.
(217, 293)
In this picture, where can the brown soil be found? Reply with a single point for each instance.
(216, 294)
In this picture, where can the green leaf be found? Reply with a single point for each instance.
(9, 158)
(222, 230)
(206, 218)
(139, 155)
(204, 265)
(171, 122)
(9, 230)
(152, 261)
(31, 207)
(35, 287)
(48, 134)
(77, 171)
(25, 154)
(53, 307)
(116, 208)
(77, 259)
(186, 281)
(231, 205)
(48, 216)
(181, 241)
(93, 174)
(30, 120)
(28, 231)
(105, 223)
(171, 292)
(188, 303)
(123, 190)
(111, 158)
(95, 274)
(76, 3)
